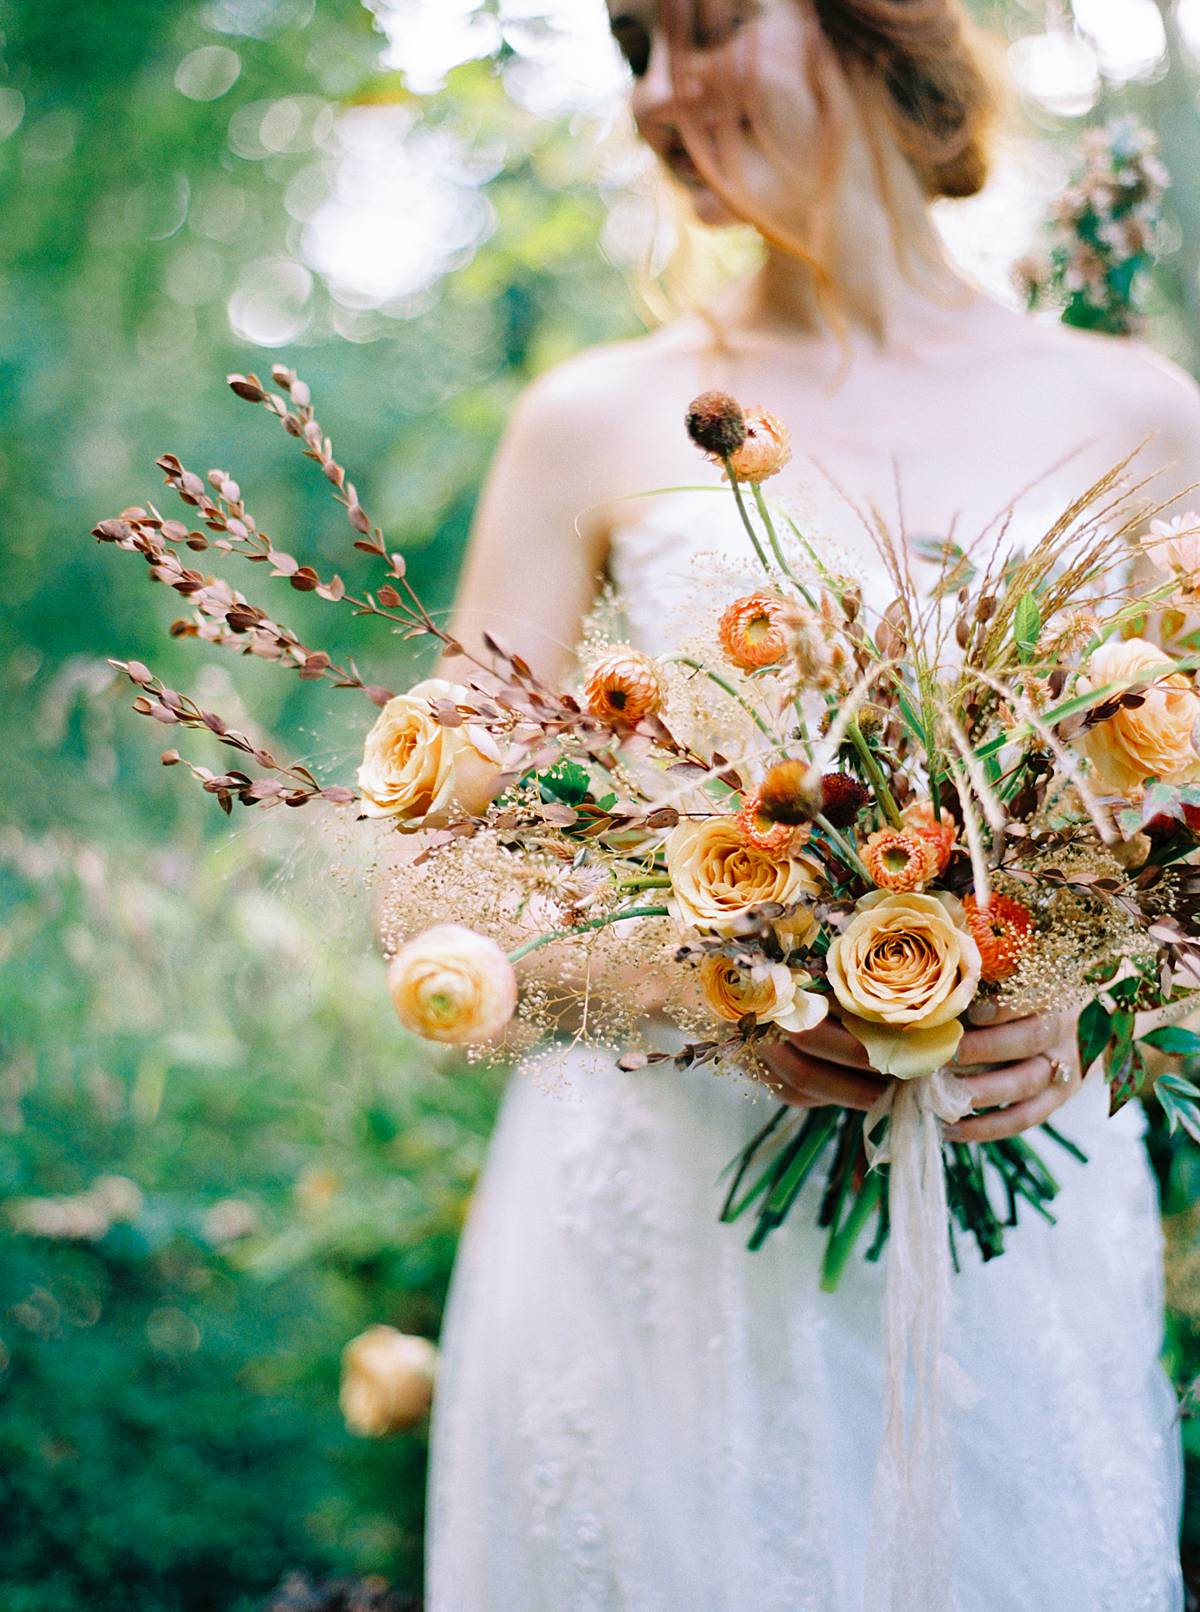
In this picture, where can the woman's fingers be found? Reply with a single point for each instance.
(1013, 1041)
(799, 1078)
(983, 1011)
(1011, 1084)
(834, 1043)
(1016, 1059)
(1006, 1122)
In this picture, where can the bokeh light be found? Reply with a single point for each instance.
(208, 72)
(404, 206)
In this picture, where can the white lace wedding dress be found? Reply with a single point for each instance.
(636, 1414)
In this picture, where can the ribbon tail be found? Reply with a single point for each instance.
(909, 1559)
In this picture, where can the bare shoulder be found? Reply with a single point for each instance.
(583, 436)
(612, 392)
(1144, 391)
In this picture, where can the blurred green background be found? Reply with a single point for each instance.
(219, 1157)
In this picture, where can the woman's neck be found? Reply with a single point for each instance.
(889, 296)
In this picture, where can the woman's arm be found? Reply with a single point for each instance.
(533, 565)
(540, 536)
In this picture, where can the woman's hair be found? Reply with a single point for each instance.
(914, 74)
(924, 65)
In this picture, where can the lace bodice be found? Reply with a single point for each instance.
(674, 549)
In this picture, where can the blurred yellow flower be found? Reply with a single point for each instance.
(387, 1381)
(451, 984)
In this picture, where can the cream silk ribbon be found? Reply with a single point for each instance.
(909, 1567)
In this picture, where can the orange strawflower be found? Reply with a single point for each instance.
(939, 833)
(1002, 930)
(765, 832)
(767, 448)
(751, 630)
(898, 861)
(625, 685)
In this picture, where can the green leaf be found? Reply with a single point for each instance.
(1173, 1039)
(566, 781)
(1027, 626)
(1124, 992)
(957, 568)
(1179, 1100)
(1122, 1063)
(911, 719)
(1118, 1049)
(1094, 1030)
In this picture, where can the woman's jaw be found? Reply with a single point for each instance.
(740, 122)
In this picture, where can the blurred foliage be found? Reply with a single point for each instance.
(234, 1159)
(176, 1008)
(169, 1433)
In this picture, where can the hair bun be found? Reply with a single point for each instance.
(942, 93)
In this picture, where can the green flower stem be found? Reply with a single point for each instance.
(843, 1241)
(792, 1171)
(819, 566)
(745, 514)
(844, 849)
(773, 537)
(646, 881)
(715, 677)
(582, 929)
(803, 725)
(874, 774)
(733, 1206)
(1065, 1142)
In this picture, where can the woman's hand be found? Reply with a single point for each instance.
(1023, 1069)
(1015, 1067)
(822, 1067)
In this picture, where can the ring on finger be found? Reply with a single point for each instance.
(1060, 1075)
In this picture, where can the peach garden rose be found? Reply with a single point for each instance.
(417, 771)
(903, 970)
(1174, 545)
(453, 985)
(716, 877)
(773, 993)
(1152, 740)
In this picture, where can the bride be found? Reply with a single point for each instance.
(635, 1413)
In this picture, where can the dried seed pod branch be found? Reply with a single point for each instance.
(293, 785)
(300, 421)
(238, 533)
(223, 615)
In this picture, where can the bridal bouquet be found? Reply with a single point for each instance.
(987, 794)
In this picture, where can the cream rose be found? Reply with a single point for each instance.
(773, 993)
(417, 771)
(387, 1381)
(1152, 740)
(1174, 545)
(450, 984)
(716, 878)
(903, 969)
